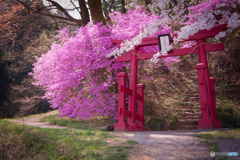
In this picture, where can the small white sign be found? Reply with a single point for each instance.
(164, 42)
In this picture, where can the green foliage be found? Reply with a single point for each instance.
(174, 123)
(228, 117)
(17, 95)
(157, 123)
(4, 83)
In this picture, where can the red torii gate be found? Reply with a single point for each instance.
(135, 91)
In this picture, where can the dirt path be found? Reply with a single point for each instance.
(168, 145)
(35, 121)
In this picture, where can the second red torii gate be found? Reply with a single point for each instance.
(206, 84)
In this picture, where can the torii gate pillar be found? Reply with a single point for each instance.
(133, 87)
(206, 90)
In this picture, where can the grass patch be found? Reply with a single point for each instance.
(118, 156)
(131, 142)
(91, 124)
(206, 136)
(227, 134)
(120, 148)
(214, 147)
(46, 143)
(214, 135)
(209, 137)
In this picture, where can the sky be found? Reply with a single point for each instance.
(67, 4)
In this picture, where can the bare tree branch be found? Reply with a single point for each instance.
(95, 8)
(59, 17)
(110, 8)
(75, 7)
(45, 10)
(60, 8)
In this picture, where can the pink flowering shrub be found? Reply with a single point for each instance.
(76, 75)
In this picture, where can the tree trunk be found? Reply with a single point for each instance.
(84, 12)
(123, 6)
(147, 2)
(95, 7)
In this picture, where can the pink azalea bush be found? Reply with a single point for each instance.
(76, 74)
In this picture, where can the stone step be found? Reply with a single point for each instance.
(189, 117)
(189, 113)
(188, 121)
(187, 103)
(197, 117)
(191, 107)
(186, 127)
(185, 117)
(194, 94)
(194, 99)
(185, 110)
(197, 104)
(198, 113)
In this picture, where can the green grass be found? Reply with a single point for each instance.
(91, 124)
(209, 137)
(227, 134)
(131, 142)
(18, 142)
